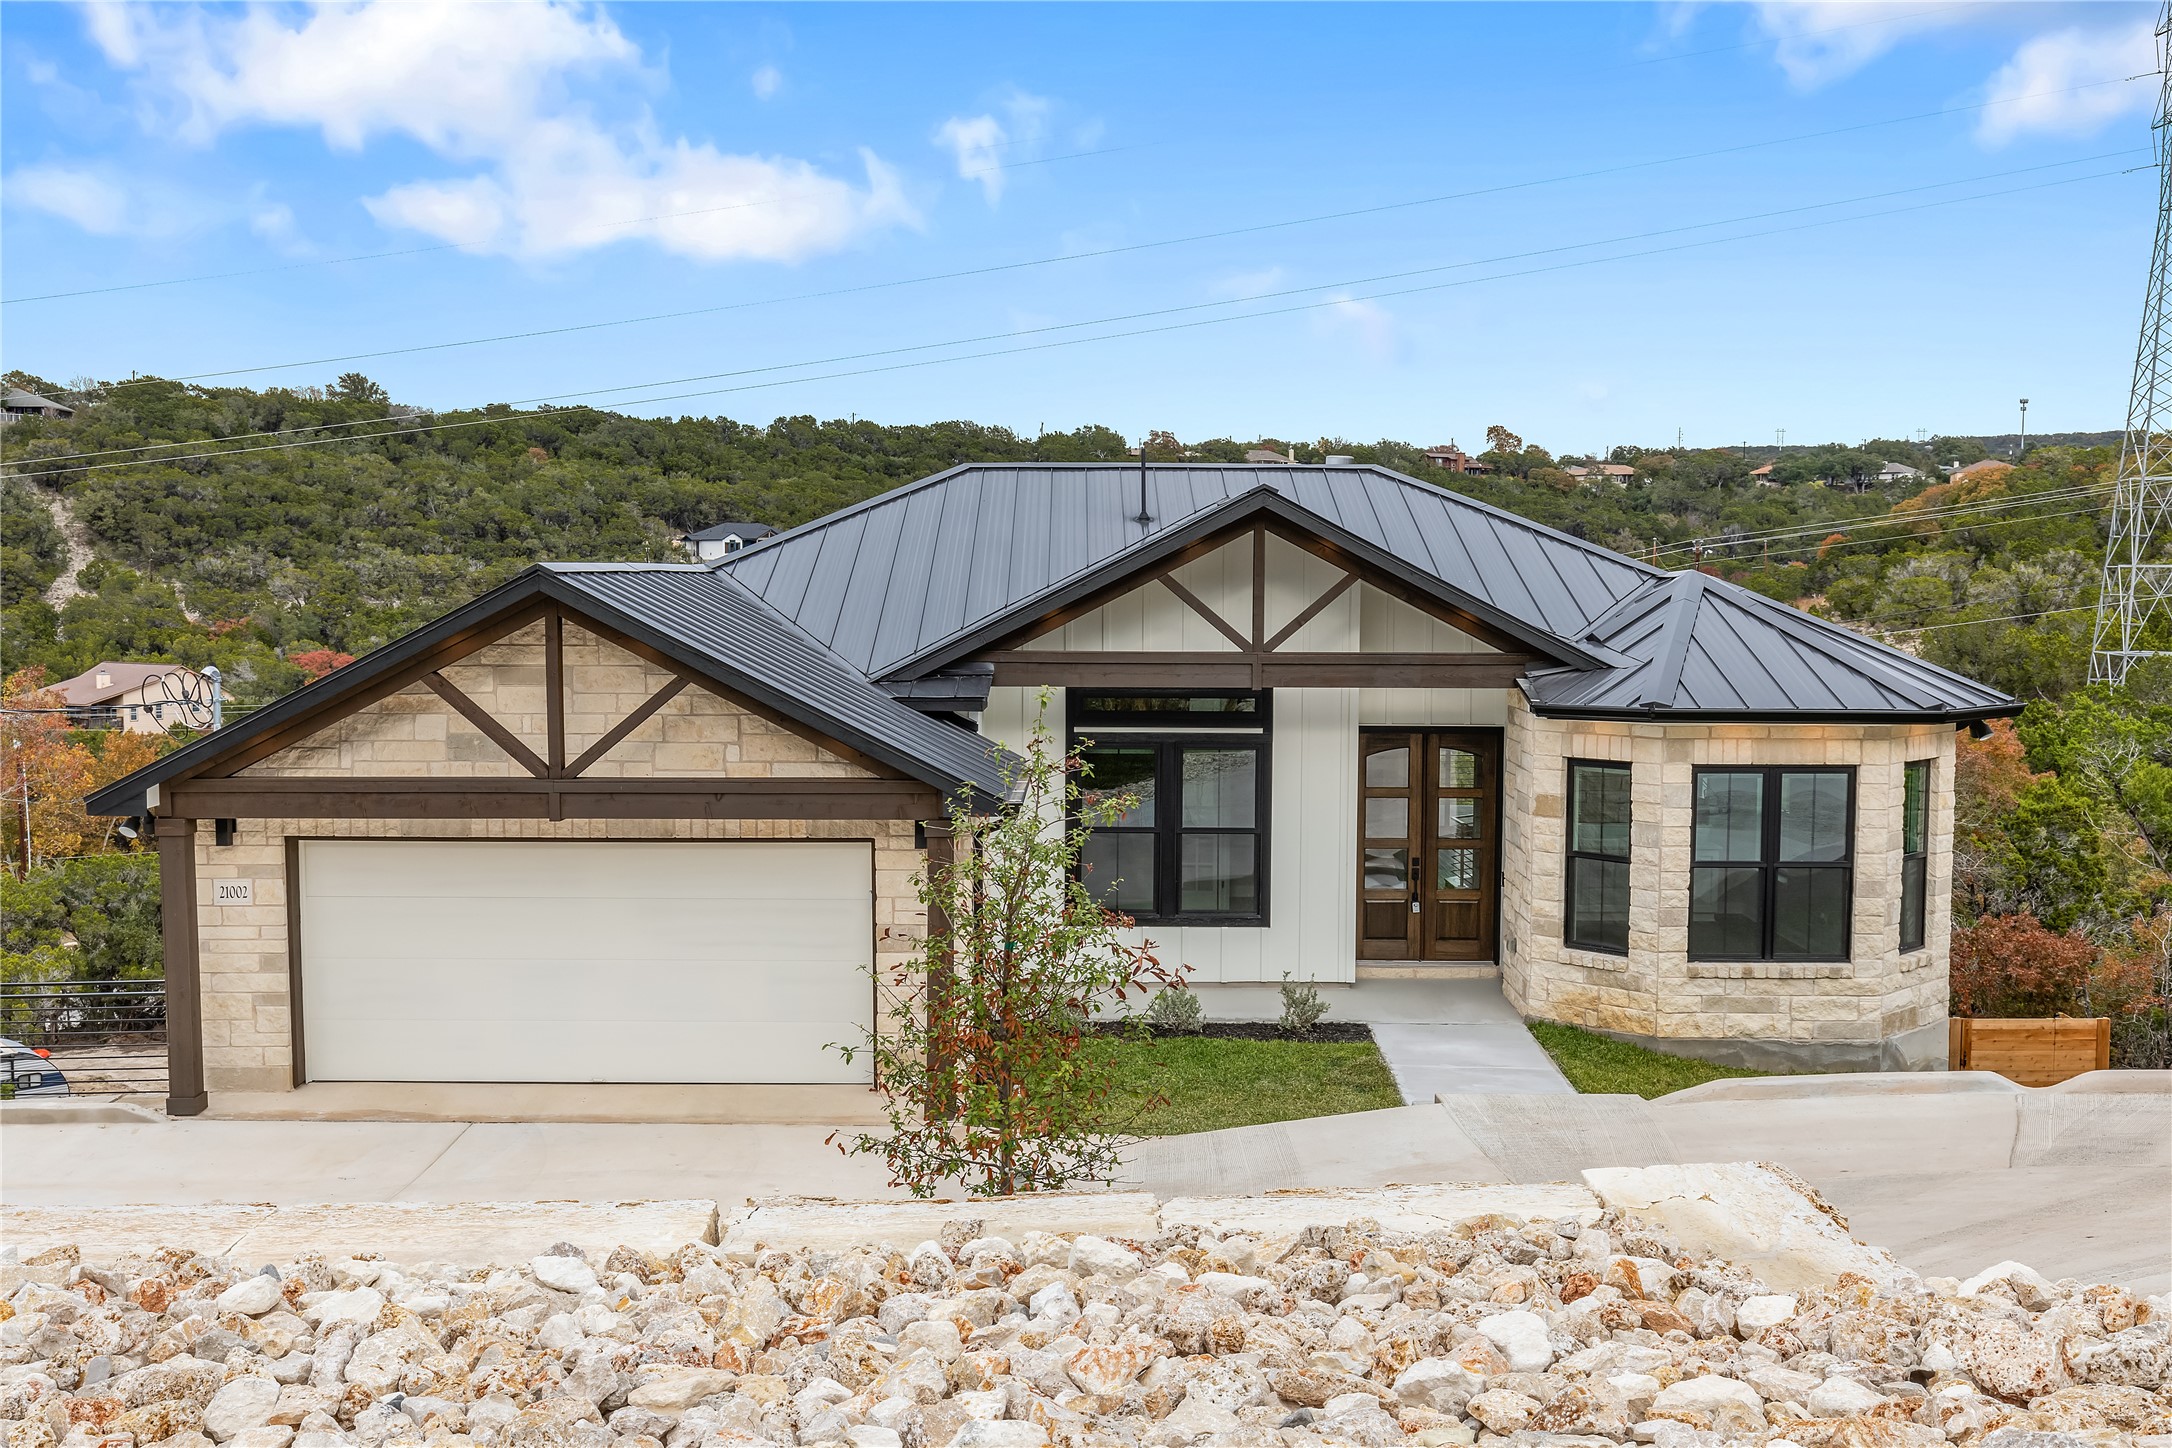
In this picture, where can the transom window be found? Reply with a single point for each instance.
(1191, 845)
(1772, 864)
(1915, 850)
(1597, 908)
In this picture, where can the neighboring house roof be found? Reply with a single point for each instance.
(702, 619)
(18, 398)
(84, 690)
(1266, 455)
(1977, 469)
(721, 531)
(890, 582)
(1703, 647)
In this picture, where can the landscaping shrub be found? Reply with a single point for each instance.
(1301, 1007)
(108, 903)
(1175, 1012)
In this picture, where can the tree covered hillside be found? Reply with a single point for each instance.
(275, 552)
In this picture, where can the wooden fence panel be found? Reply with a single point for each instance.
(2037, 1052)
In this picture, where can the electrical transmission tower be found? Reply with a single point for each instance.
(2137, 585)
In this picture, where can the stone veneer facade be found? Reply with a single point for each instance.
(1879, 1010)
(243, 949)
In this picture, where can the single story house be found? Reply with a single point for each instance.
(1898, 473)
(21, 403)
(711, 543)
(1375, 727)
(140, 698)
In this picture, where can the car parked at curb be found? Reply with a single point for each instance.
(28, 1071)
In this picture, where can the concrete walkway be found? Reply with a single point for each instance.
(1445, 1037)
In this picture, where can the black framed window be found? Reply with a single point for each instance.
(1915, 850)
(1772, 864)
(1596, 910)
(1192, 845)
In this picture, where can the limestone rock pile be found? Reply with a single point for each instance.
(1495, 1331)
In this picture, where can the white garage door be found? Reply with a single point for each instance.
(464, 960)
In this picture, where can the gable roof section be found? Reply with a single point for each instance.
(888, 583)
(699, 618)
(1705, 648)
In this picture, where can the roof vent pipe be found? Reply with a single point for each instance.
(1144, 517)
(1339, 460)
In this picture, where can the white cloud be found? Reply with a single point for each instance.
(1259, 283)
(2039, 86)
(767, 82)
(1821, 41)
(1371, 325)
(274, 221)
(489, 87)
(92, 202)
(984, 145)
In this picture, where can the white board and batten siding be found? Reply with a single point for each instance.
(654, 961)
(1312, 844)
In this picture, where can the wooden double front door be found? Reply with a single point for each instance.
(1429, 853)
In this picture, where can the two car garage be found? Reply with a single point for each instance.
(582, 961)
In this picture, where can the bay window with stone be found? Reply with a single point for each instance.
(1597, 907)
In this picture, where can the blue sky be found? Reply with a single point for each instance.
(554, 166)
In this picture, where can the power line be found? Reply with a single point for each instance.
(1930, 515)
(597, 230)
(1065, 342)
(1157, 244)
(1110, 320)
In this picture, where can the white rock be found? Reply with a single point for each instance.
(559, 1332)
(1194, 1419)
(992, 1403)
(271, 1435)
(1438, 1383)
(1755, 1314)
(675, 1389)
(1841, 1397)
(938, 1336)
(2020, 1274)
(240, 1405)
(1731, 1404)
(1522, 1339)
(1643, 1277)
(252, 1296)
(358, 1305)
(1251, 1291)
(566, 1274)
(1091, 1255)
(996, 1433)
(1347, 1403)
(1635, 1389)
(1054, 1300)
(867, 1435)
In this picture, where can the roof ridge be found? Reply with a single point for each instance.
(838, 515)
(1681, 625)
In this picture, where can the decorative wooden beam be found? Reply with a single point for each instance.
(340, 707)
(1311, 611)
(624, 727)
(537, 798)
(554, 692)
(1254, 670)
(497, 733)
(1198, 606)
(1259, 588)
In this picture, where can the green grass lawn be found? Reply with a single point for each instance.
(1600, 1064)
(1212, 1083)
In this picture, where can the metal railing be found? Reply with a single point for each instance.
(107, 1038)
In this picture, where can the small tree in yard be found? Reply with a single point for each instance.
(986, 1071)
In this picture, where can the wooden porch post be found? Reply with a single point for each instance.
(184, 995)
(942, 854)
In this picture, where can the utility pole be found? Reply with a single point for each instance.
(2136, 590)
(2021, 448)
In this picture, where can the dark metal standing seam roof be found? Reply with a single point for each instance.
(1704, 647)
(888, 579)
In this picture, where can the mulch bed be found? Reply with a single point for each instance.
(1325, 1033)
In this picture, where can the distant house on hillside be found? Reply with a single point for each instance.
(1618, 474)
(140, 698)
(29, 404)
(1898, 473)
(1269, 455)
(1763, 477)
(710, 544)
(1455, 460)
(1988, 468)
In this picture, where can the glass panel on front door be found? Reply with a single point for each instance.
(1429, 858)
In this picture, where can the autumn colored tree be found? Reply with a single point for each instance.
(1499, 439)
(2015, 965)
(47, 768)
(316, 663)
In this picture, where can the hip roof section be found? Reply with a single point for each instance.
(889, 580)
